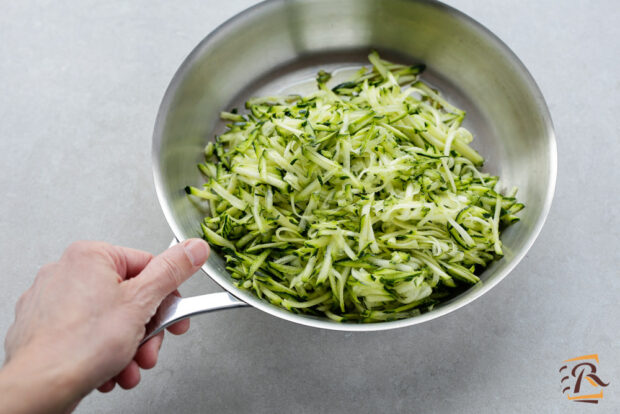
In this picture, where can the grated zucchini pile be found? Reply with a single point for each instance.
(360, 202)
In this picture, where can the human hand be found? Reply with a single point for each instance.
(80, 324)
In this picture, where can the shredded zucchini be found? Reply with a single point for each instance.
(360, 202)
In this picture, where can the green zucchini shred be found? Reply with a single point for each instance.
(361, 202)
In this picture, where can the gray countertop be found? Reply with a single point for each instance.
(80, 85)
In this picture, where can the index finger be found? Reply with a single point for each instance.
(130, 262)
(126, 262)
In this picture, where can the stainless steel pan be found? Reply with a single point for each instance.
(279, 44)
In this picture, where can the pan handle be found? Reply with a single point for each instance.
(173, 309)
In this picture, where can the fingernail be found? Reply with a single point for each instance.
(197, 251)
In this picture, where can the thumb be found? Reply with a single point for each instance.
(167, 271)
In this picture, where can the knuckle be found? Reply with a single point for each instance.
(23, 299)
(84, 248)
(46, 271)
(77, 247)
(48, 268)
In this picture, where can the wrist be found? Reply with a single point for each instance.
(33, 383)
